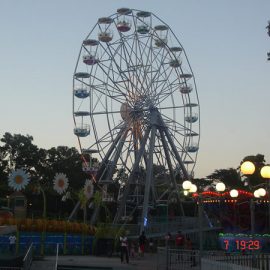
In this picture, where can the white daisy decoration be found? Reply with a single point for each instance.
(88, 189)
(60, 183)
(18, 179)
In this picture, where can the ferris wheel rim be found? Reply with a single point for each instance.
(107, 112)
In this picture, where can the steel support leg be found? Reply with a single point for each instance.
(148, 181)
(166, 150)
(134, 169)
(170, 140)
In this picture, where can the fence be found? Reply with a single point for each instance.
(176, 259)
(21, 264)
(236, 261)
(45, 243)
(172, 259)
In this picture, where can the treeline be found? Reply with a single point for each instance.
(19, 152)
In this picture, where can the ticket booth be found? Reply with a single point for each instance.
(18, 204)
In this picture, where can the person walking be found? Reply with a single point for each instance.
(124, 248)
(142, 242)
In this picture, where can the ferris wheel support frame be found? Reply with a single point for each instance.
(156, 123)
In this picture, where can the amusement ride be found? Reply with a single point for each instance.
(136, 112)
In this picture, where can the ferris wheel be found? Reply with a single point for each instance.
(136, 109)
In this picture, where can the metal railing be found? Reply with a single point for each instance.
(177, 259)
(56, 259)
(172, 259)
(10, 268)
(28, 258)
(238, 261)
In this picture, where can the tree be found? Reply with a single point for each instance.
(230, 177)
(18, 151)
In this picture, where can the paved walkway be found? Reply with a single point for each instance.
(148, 262)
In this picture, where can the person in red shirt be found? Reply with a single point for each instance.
(179, 244)
(179, 240)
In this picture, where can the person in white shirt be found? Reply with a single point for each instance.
(124, 248)
(12, 243)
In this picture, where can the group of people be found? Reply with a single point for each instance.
(127, 250)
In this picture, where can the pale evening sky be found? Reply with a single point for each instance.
(226, 43)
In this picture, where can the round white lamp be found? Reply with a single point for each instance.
(193, 188)
(234, 193)
(220, 187)
(247, 168)
(186, 185)
(265, 171)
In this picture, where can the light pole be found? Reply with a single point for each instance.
(248, 168)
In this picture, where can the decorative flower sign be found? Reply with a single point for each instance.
(88, 189)
(18, 179)
(60, 183)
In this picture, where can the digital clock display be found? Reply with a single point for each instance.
(242, 244)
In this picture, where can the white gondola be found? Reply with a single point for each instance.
(90, 42)
(175, 63)
(90, 59)
(161, 39)
(143, 29)
(105, 35)
(81, 113)
(186, 89)
(191, 118)
(123, 25)
(88, 166)
(82, 75)
(161, 42)
(143, 25)
(192, 148)
(91, 170)
(81, 92)
(124, 11)
(188, 161)
(176, 60)
(191, 134)
(190, 105)
(185, 75)
(82, 130)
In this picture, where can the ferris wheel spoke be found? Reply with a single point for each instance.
(145, 51)
(107, 89)
(124, 78)
(128, 52)
(180, 129)
(107, 136)
(161, 73)
(115, 86)
(167, 88)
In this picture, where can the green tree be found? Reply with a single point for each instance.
(230, 177)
